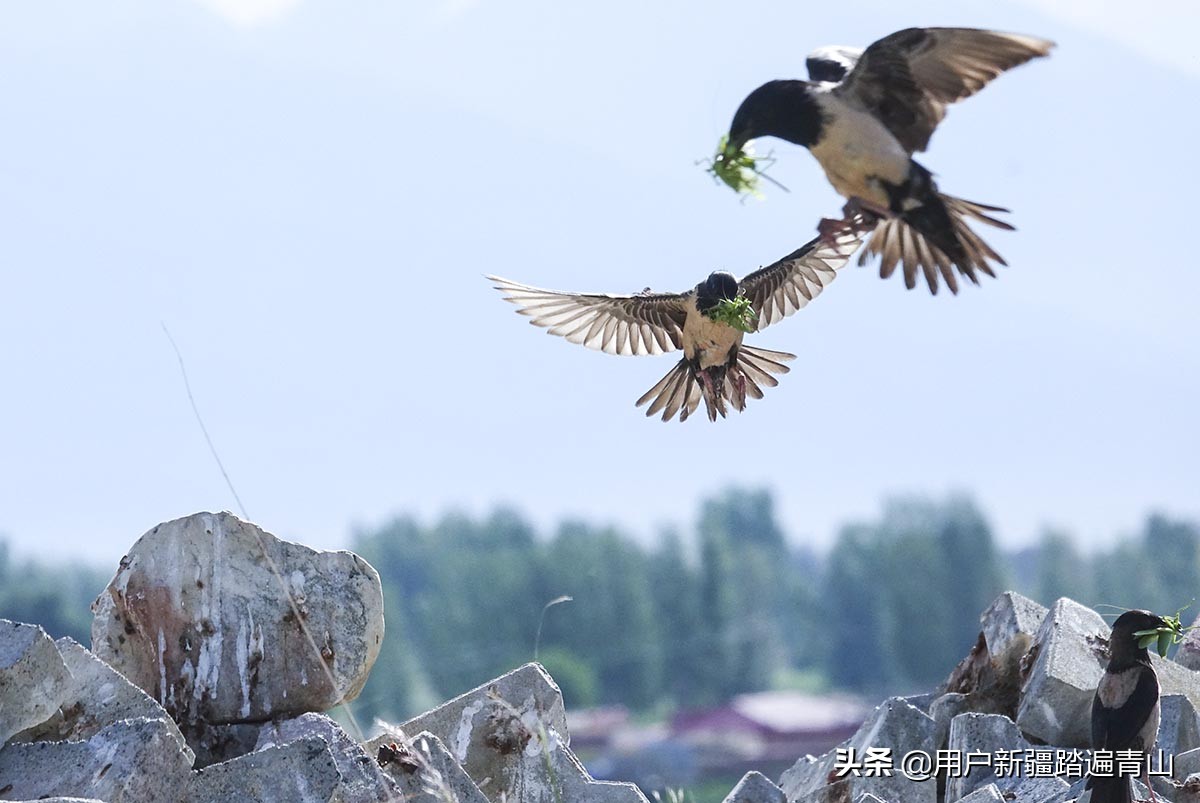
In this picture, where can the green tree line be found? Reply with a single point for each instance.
(732, 606)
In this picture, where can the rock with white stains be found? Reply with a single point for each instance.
(95, 697)
(131, 761)
(510, 735)
(222, 622)
(424, 771)
(33, 678)
(755, 788)
(303, 771)
(362, 780)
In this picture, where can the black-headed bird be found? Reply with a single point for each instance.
(707, 322)
(1125, 710)
(863, 115)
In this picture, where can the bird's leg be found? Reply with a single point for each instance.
(862, 215)
(1146, 776)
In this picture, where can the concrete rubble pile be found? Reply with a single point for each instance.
(206, 682)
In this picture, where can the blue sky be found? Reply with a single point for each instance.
(307, 193)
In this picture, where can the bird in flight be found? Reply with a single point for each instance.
(864, 114)
(708, 323)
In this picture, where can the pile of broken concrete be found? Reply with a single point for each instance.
(217, 648)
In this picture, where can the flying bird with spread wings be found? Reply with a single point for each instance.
(707, 323)
(864, 114)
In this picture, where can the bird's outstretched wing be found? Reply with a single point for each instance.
(646, 323)
(908, 78)
(783, 287)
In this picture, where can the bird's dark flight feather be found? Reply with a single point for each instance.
(908, 78)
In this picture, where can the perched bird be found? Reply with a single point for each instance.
(707, 323)
(1125, 710)
(863, 115)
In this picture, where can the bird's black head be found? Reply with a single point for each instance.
(719, 285)
(1123, 645)
(784, 109)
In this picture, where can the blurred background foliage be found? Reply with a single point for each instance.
(733, 606)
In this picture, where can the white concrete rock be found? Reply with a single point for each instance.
(1009, 626)
(33, 677)
(362, 780)
(198, 618)
(96, 696)
(1072, 651)
(510, 735)
(756, 788)
(131, 761)
(303, 771)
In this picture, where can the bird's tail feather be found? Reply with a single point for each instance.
(934, 238)
(1110, 789)
(682, 389)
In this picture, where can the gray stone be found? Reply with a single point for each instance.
(1187, 654)
(198, 618)
(96, 696)
(425, 772)
(867, 797)
(362, 779)
(895, 725)
(989, 793)
(33, 678)
(1009, 625)
(132, 761)
(510, 736)
(1071, 650)
(63, 800)
(984, 733)
(755, 788)
(303, 771)
(943, 710)
(215, 744)
(1179, 728)
(1186, 763)
(1175, 679)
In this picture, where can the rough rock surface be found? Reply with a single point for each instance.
(895, 724)
(362, 780)
(425, 772)
(197, 617)
(510, 735)
(755, 788)
(95, 697)
(33, 677)
(1069, 654)
(131, 761)
(303, 771)
(1010, 625)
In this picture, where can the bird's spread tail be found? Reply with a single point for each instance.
(720, 386)
(930, 234)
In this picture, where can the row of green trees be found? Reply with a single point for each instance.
(732, 606)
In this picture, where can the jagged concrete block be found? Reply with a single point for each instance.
(755, 788)
(986, 733)
(33, 677)
(510, 736)
(362, 779)
(62, 800)
(1188, 653)
(894, 724)
(131, 761)
(425, 772)
(943, 710)
(216, 744)
(1010, 625)
(1179, 727)
(303, 771)
(989, 793)
(1185, 763)
(1175, 679)
(95, 697)
(1071, 652)
(198, 616)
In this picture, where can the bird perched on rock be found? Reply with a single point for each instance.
(1125, 710)
(863, 115)
(708, 323)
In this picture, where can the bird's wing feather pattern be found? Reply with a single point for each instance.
(783, 287)
(650, 323)
(908, 78)
(1118, 728)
